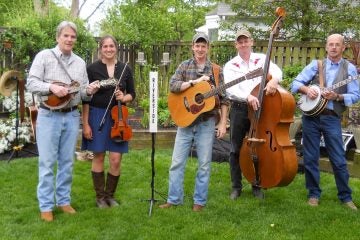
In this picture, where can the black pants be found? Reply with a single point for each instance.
(239, 126)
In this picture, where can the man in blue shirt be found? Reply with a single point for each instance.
(328, 121)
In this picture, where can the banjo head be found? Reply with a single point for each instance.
(306, 104)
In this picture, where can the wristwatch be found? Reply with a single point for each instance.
(338, 98)
(191, 83)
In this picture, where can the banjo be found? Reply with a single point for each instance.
(312, 107)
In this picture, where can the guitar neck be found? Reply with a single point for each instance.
(217, 90)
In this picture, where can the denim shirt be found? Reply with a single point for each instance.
(308, 73)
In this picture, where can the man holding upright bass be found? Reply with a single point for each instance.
(334, 69)
(242, 99)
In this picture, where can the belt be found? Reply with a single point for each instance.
(238, 103)
(328, 112)
(64, 110)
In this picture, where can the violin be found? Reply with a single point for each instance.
(120, 131)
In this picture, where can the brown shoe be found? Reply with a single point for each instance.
(67, 209)
(47, 216)
(314, 202)
(197, 208)
(166, 205)
(351, 205)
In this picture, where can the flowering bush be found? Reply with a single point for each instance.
(8, 133)
(8, 126)
(10, 102)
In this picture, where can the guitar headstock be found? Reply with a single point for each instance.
(255, 73)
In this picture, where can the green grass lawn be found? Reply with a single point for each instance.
(283, 214)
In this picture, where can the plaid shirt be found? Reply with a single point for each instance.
(46, 69)
(188, 70)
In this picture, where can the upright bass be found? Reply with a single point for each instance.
(267, 156)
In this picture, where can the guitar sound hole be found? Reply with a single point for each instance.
(199, 98)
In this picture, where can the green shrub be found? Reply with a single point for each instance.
(289, 74)
(164, 118)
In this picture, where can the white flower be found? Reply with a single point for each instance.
(10, 102)
(8, 133)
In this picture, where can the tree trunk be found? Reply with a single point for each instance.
(74, 11)
(41, 7)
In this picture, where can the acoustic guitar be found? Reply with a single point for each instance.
(187, 105)
(313, 107)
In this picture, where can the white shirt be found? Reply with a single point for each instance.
(237, 67)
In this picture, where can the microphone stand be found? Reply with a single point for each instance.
(153, 130)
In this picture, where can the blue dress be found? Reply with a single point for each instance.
(102, 141)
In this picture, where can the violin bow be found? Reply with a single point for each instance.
(112, 97)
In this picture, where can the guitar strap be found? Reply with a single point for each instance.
(321, 73)
(216, 72)
(62, 65)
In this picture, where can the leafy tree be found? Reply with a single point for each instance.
(33, 31)
(306, 19)
(149, 22)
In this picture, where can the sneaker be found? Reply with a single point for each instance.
(351, 205)
(314, 202)
(235, 194)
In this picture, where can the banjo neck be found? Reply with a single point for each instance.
(341, 83)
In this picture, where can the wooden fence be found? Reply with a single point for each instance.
(283, 54)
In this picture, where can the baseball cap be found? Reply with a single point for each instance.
(199, 35)
(243, 32)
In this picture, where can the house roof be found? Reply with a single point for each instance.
(222, 9)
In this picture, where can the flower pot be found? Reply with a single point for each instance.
(7, 44)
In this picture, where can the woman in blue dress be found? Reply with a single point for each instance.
(93, 119)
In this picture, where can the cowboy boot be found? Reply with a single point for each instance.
(111, 184)
(99, 184)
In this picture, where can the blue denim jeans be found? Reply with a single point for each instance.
(56, 135)
(330, 127)
(203, 134)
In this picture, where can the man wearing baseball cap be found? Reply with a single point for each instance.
(201, 131)
(241, 99)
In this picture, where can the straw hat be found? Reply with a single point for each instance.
(8, 82)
